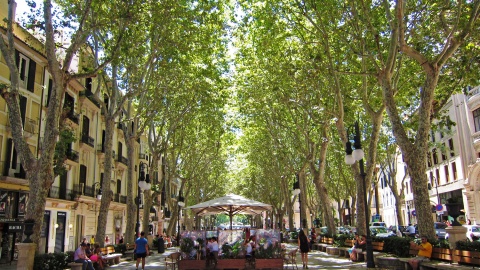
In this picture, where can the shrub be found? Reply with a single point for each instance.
(467, 245)
(52, 261)
(339, 239)
(398, 246)
(268, 251)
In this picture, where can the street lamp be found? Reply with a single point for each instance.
(350, 158)
(181, 203)
(143, 183)
(296, 191)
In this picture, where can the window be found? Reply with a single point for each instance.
(429, 159)
(432, 135)
(434, 155)
(431, 178)
(437, 174)
(447, 176)
(452, 148)
(454, 171)
(444, 157)
(476, 119)
(119, 186)
(26, 70)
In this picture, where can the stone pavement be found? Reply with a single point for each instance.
(316, 260)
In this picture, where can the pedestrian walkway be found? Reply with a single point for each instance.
(316, 260)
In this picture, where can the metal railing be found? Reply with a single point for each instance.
(123, 160)
(88, 94)
(12, 169)
(142, 156)
(88, 140)
(74, 117)
(30, 125)
(100, 148)
(72, 155)
(63, 194)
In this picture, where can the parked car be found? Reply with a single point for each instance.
(439, 230)
(380, 231)
(473, 232)
(378, 223)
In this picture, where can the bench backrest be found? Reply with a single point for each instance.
(443, 254)
(468, 257)
(349, 242)
(377, 246)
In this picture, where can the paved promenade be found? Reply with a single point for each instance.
(316, 260)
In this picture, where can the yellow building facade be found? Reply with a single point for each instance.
(72, 206)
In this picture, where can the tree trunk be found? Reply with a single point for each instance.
(131, 194)
(106, 182)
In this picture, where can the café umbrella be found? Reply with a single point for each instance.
(231, 205)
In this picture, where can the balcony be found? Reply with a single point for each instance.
(13, 170)
(62, 194)
(119, 198)
(30, 126)
(142, 156)
(89, 95)
(74, 117)
(88, 140)
(123, 160)
(72, 155)
(100, 148)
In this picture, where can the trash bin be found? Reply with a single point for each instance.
(161, 245)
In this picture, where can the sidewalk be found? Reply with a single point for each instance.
(316, 260)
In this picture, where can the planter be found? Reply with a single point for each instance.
(466, 257)
(276, 263)
(454, 211)
(230, 264)
(191, 264)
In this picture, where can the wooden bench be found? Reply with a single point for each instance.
(324, 243)
(343, 251)
(377, 248)
(129, 250)
(75, 266)
(108, 253)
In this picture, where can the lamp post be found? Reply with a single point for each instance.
(181, 203)
(350, 158)
(296, 191)
(143, 183)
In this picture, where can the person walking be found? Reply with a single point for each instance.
(141, 249)
(304, 245)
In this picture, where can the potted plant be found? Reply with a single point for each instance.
(454, 205)
(229, 259)
(269, 255)
(186, 247)
(189, 261)
(29, 223)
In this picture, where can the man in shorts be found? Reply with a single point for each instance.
(424, 252)
(141, 249)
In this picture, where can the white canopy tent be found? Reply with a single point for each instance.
(231, 205)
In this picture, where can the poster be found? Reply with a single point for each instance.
(3, 203)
